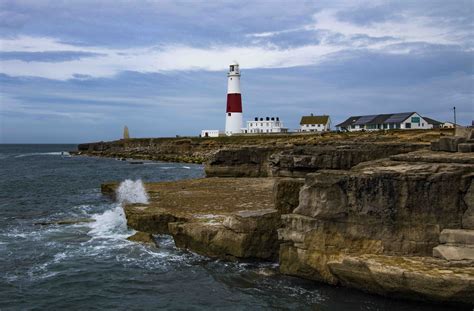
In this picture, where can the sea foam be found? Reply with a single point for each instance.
(112, 223)
(131, 191)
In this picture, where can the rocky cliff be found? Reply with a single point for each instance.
(384, 216)
(199, 150)
(374, 227)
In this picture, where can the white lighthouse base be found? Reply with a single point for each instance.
(233, 123)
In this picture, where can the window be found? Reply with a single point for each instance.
(231, 68)
(313, 125)
(408, 125)
(229, 114)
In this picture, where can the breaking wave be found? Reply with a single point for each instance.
(58, 153)
(131, 191)
(112, 223)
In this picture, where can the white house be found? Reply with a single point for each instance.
(314, 123)
(405, 120)
(447, 125)
(210, 133)
(265, 125)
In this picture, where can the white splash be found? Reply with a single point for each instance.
(131, 191)
(111, 224)
(58, 153)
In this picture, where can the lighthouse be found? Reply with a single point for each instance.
(233, 119)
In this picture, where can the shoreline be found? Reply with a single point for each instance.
(386, 216)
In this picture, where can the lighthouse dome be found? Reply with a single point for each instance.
(234, 68)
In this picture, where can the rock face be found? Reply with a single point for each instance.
(358, 227)
(299, 161)
(242, 162)
(246, 234)
(456, 244)
(407, 277)
(143, 237)
(226, 218)
(390, 218)
(286, 192)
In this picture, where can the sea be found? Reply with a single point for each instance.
(92, 266)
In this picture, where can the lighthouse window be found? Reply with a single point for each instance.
(231, 68)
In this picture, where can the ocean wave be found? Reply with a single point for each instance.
(110, 224)
(56, 153)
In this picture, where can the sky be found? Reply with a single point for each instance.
(79, 71)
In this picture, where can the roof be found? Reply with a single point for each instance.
(432, 121)
(349, 121)
(398, 117)
(377, 119)
(380, 119)
(314, 120)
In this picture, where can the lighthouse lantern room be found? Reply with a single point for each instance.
(233, 121)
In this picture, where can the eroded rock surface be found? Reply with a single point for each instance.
(407, 277)
(299, 161)
(349, 223)
(143, 237)
(218, 217)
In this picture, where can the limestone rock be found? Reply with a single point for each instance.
(109, 188)
(457, 236)
(248, 235)
(241, 162)
(143, 237)
(450, 143)
(406, 277)
(468, 216)
(454, 252)
(466, 147)
(301, 160)
(286, 194)
(357, 227)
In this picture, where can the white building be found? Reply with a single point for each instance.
(406, 120)
(314, 123)
(210, 133)
(447, 125)
(265, 125)
(233, 119)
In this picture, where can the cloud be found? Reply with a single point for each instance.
(331, 32)
(107, 62)
(404, 27)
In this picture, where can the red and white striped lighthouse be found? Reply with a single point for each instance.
(233, 119)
